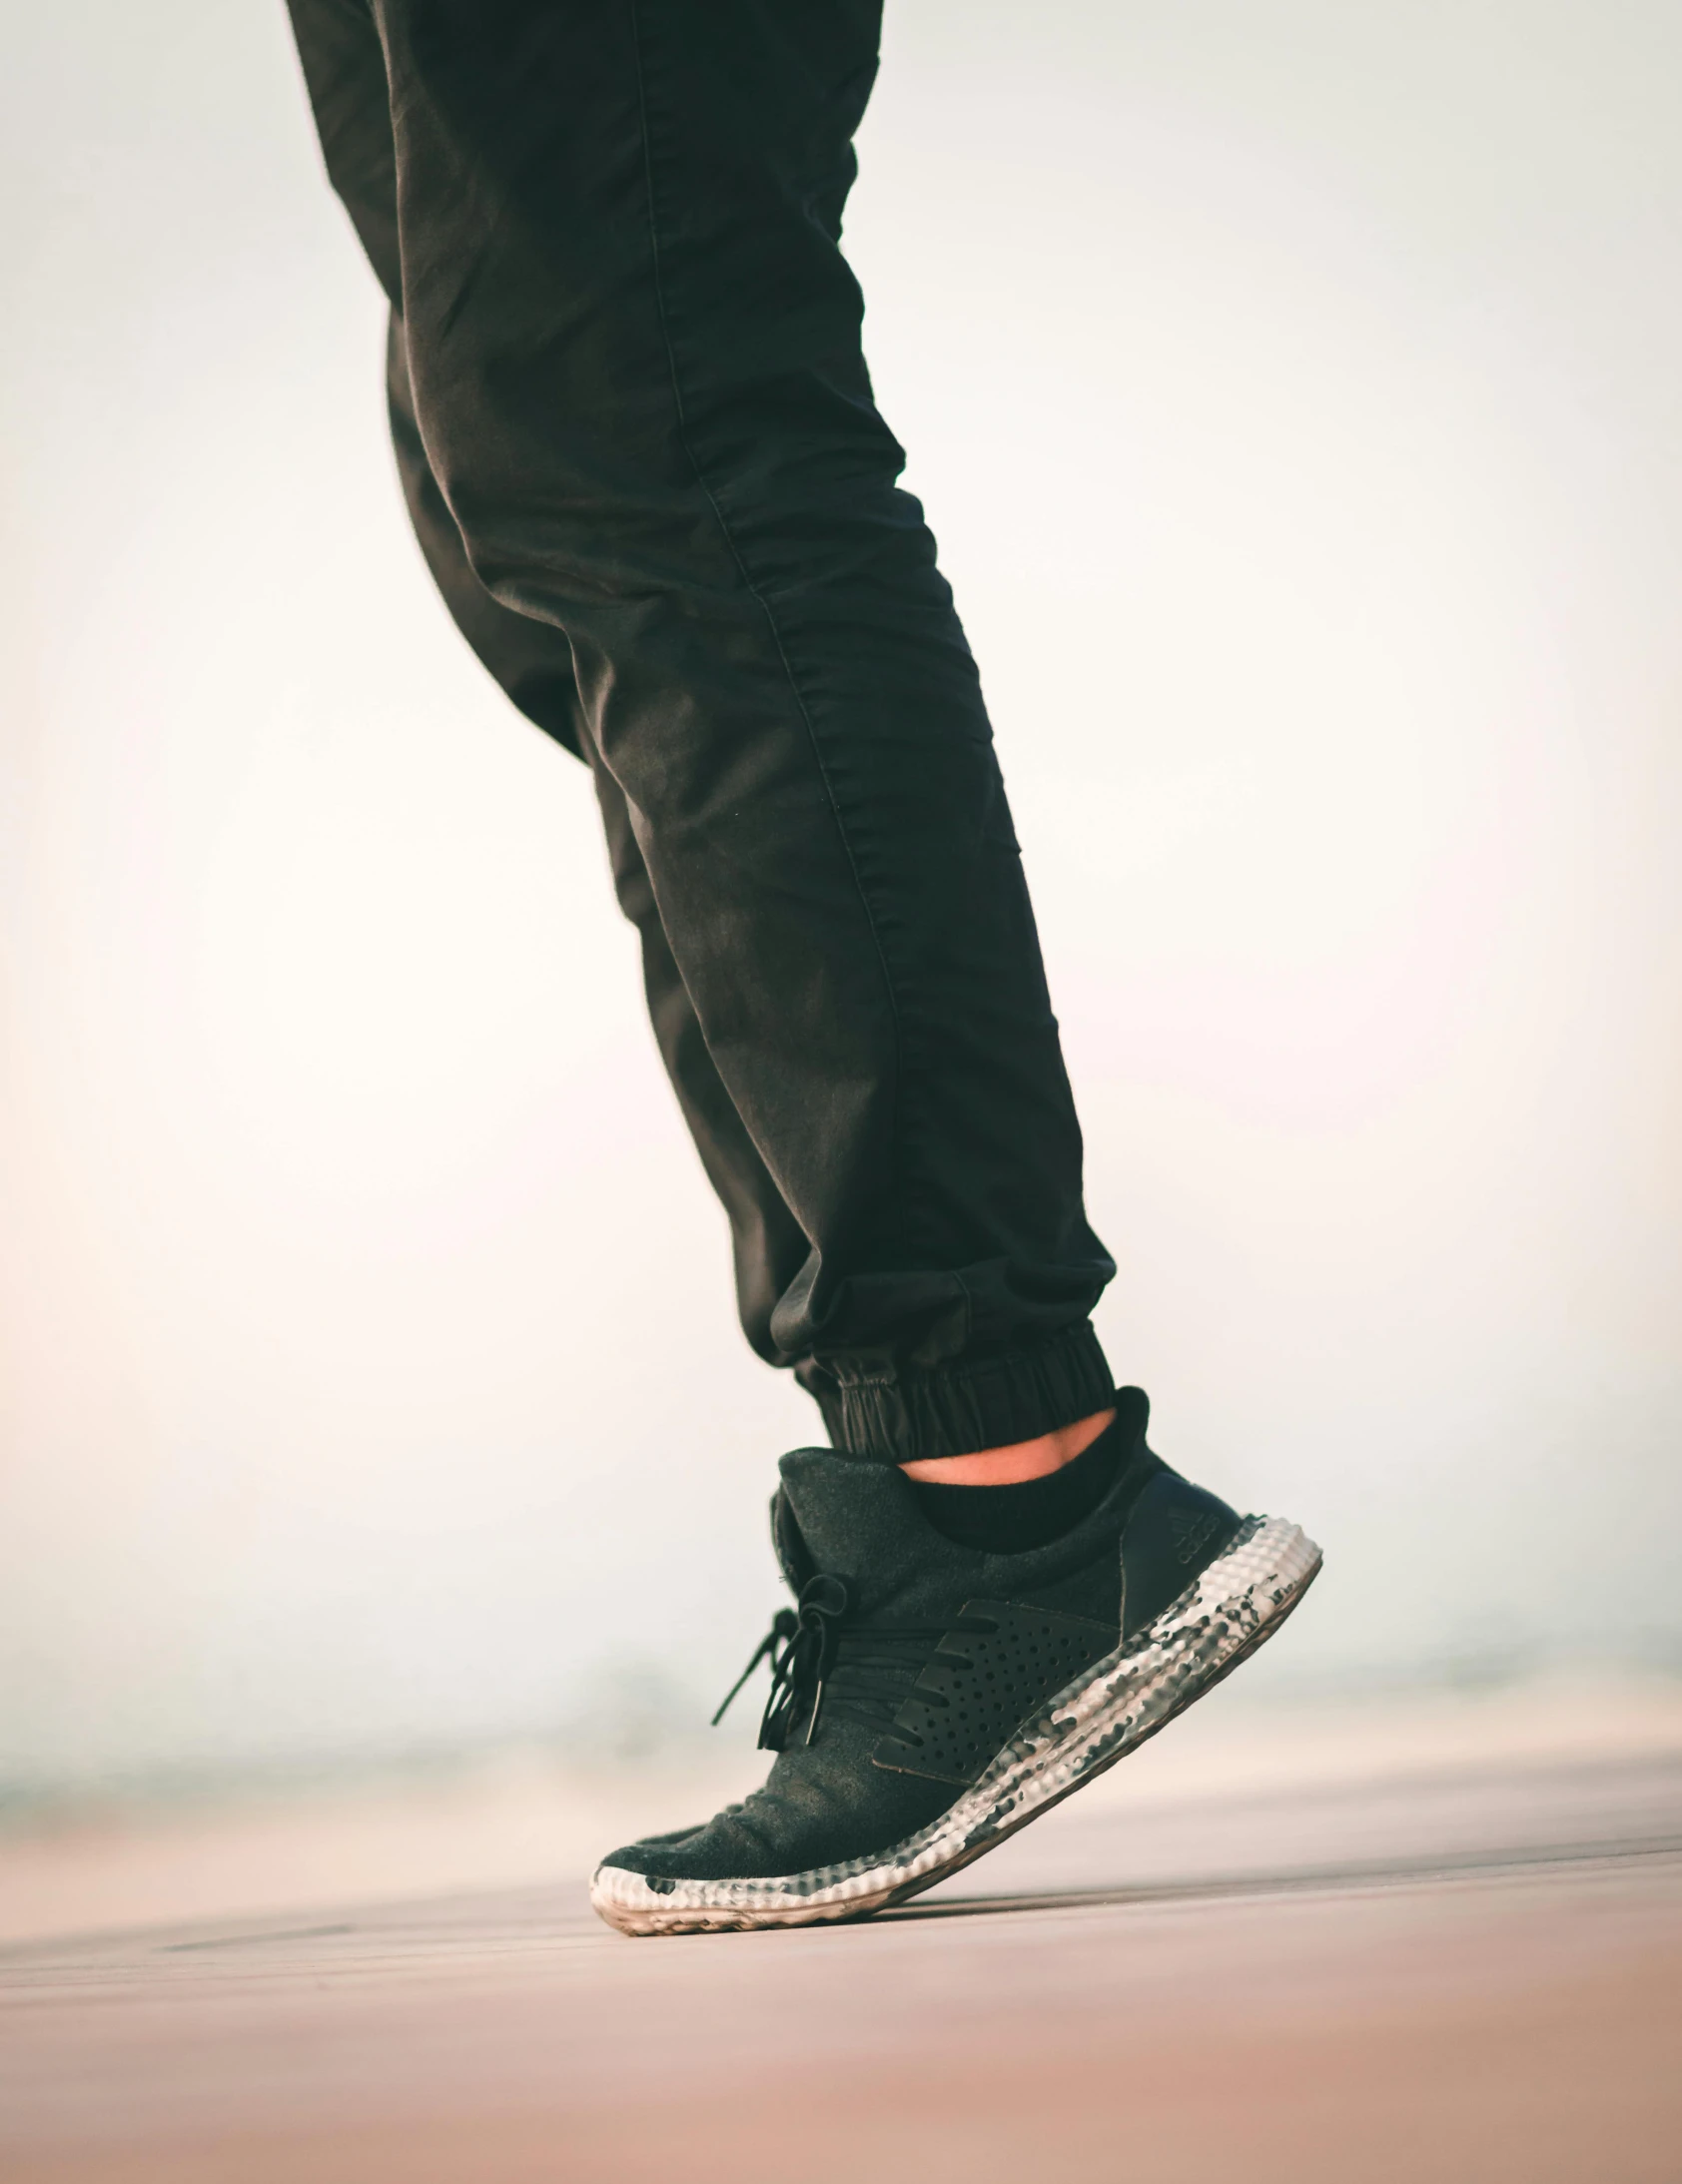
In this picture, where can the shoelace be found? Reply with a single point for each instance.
(866, 1668)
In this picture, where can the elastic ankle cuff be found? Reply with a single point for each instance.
(991, 1401)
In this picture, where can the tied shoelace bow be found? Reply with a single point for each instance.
(866, 1668)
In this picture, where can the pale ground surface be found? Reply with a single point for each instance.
(522, 1818)
(1434, 1939)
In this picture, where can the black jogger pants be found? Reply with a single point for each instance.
(638, 443)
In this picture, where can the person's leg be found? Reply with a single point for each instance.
(633, 350)
(532, 660)
(724, 605)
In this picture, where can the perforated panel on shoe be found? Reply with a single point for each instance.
(991, 1672)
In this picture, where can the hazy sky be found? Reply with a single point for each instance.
(1296, 394)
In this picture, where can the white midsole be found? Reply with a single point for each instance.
(1108, 1709)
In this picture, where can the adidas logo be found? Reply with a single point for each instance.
(1191, 1534)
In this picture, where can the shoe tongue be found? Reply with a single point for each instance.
(860, 1521)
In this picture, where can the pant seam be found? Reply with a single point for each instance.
(980, 1368)
(764, 605)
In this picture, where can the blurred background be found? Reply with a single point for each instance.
(1296, 394)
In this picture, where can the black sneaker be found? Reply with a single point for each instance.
(928, 1699)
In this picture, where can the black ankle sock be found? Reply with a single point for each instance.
(1008, 1520)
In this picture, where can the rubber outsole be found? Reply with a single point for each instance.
(1233, 1606)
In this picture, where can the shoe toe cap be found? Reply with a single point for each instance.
(646, 1854)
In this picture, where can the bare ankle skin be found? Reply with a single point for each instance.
(1019, 1460)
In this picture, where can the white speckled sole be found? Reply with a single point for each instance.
(1233, 1606)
